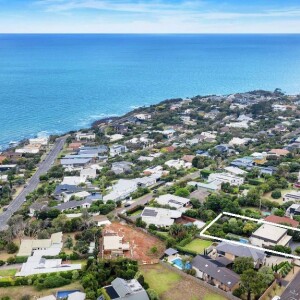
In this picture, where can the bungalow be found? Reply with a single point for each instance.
(37, 207)
(173, 201)
(2, 159)
(292, 196)
(85, 136)
(267, 170)
(226, 178)
(121, 167)
(88, 173)
(73, 180)
(242, 124)
(244, 162)
(64, 189)
(235, 171)
(115, 137)
(238, 141)
(259, 158)
(74, 146)
(231, 252)
(178, 164)
(74, 204)
(46, 247)
(75, 162)
(215, 273)
(278, 152)
(278, 107)
(121, 289)
(188, 158)
(268, 236)
(121, 190)
(293, 210)
(40, 265)
(143, 116)
(117, 150)
(159, 217)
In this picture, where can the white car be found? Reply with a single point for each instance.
(276, 298)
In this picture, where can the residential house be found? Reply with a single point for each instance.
(178, 164)
(64, 189)
(85, 136)
(74, 146)
(268, 235)
(121, 167)
(46, 247)
(278, 107)
(40, 265)
(259, 158)
(199, 194)
(121, 190)
(173, 201)
(242, 124)
(235, 171)
(278, 152)
(2, 159)
(114, 244)
(74, 204)
(73, 180)
(292, 196)
(244, 162)
(160, 217)
(188, 158)
(115, 137)
(117, 150)
(143, 116)
(293, 210)
(75, 162)
(121, 289)
(37, 207)
(76, 296)
(215, 273)
(236, 141)
(226, 178)
(231, 252)
(88, 173)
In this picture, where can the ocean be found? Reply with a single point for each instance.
(57, 83)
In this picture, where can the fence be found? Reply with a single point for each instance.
(265, 295)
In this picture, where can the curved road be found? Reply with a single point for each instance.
(33, 182)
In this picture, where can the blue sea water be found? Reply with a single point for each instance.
(56, 83)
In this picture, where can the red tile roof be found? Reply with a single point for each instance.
(280, 220)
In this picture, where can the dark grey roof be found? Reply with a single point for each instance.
(72, 204)
(171, 251)
(241, 251)
(216, 270)
(148, 212)
(67, 188)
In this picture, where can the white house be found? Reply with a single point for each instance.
(121, 190)
(40, 265)
(88, 173)
(173, 201)
(178, 164)
(160, 217)
(292, 196)
(238, 141)
(117, 150)
(226, 177)
(268, 235)
(85, 136)
(278, 107)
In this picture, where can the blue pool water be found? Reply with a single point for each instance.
(65, 294)
(56, 83)
(244, 241)
(178, 262)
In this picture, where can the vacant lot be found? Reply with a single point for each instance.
(140, 242)
(172, 286)
(17, 292)
(198, 245)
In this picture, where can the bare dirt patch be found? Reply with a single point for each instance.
(140, 242)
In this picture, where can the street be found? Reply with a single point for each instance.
(33, 182)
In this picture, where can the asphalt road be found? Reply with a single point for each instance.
(33, 182)
(292, 292)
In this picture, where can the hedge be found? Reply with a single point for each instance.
(185, 251)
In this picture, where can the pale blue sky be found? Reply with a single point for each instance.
(145, 16)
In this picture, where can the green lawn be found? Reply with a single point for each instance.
(136, 213)
(198, 245)
(171, 285)
(6, 273)
(161, 279)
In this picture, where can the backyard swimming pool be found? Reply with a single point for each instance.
(65, 294)
(244, 241)
(179, 264)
